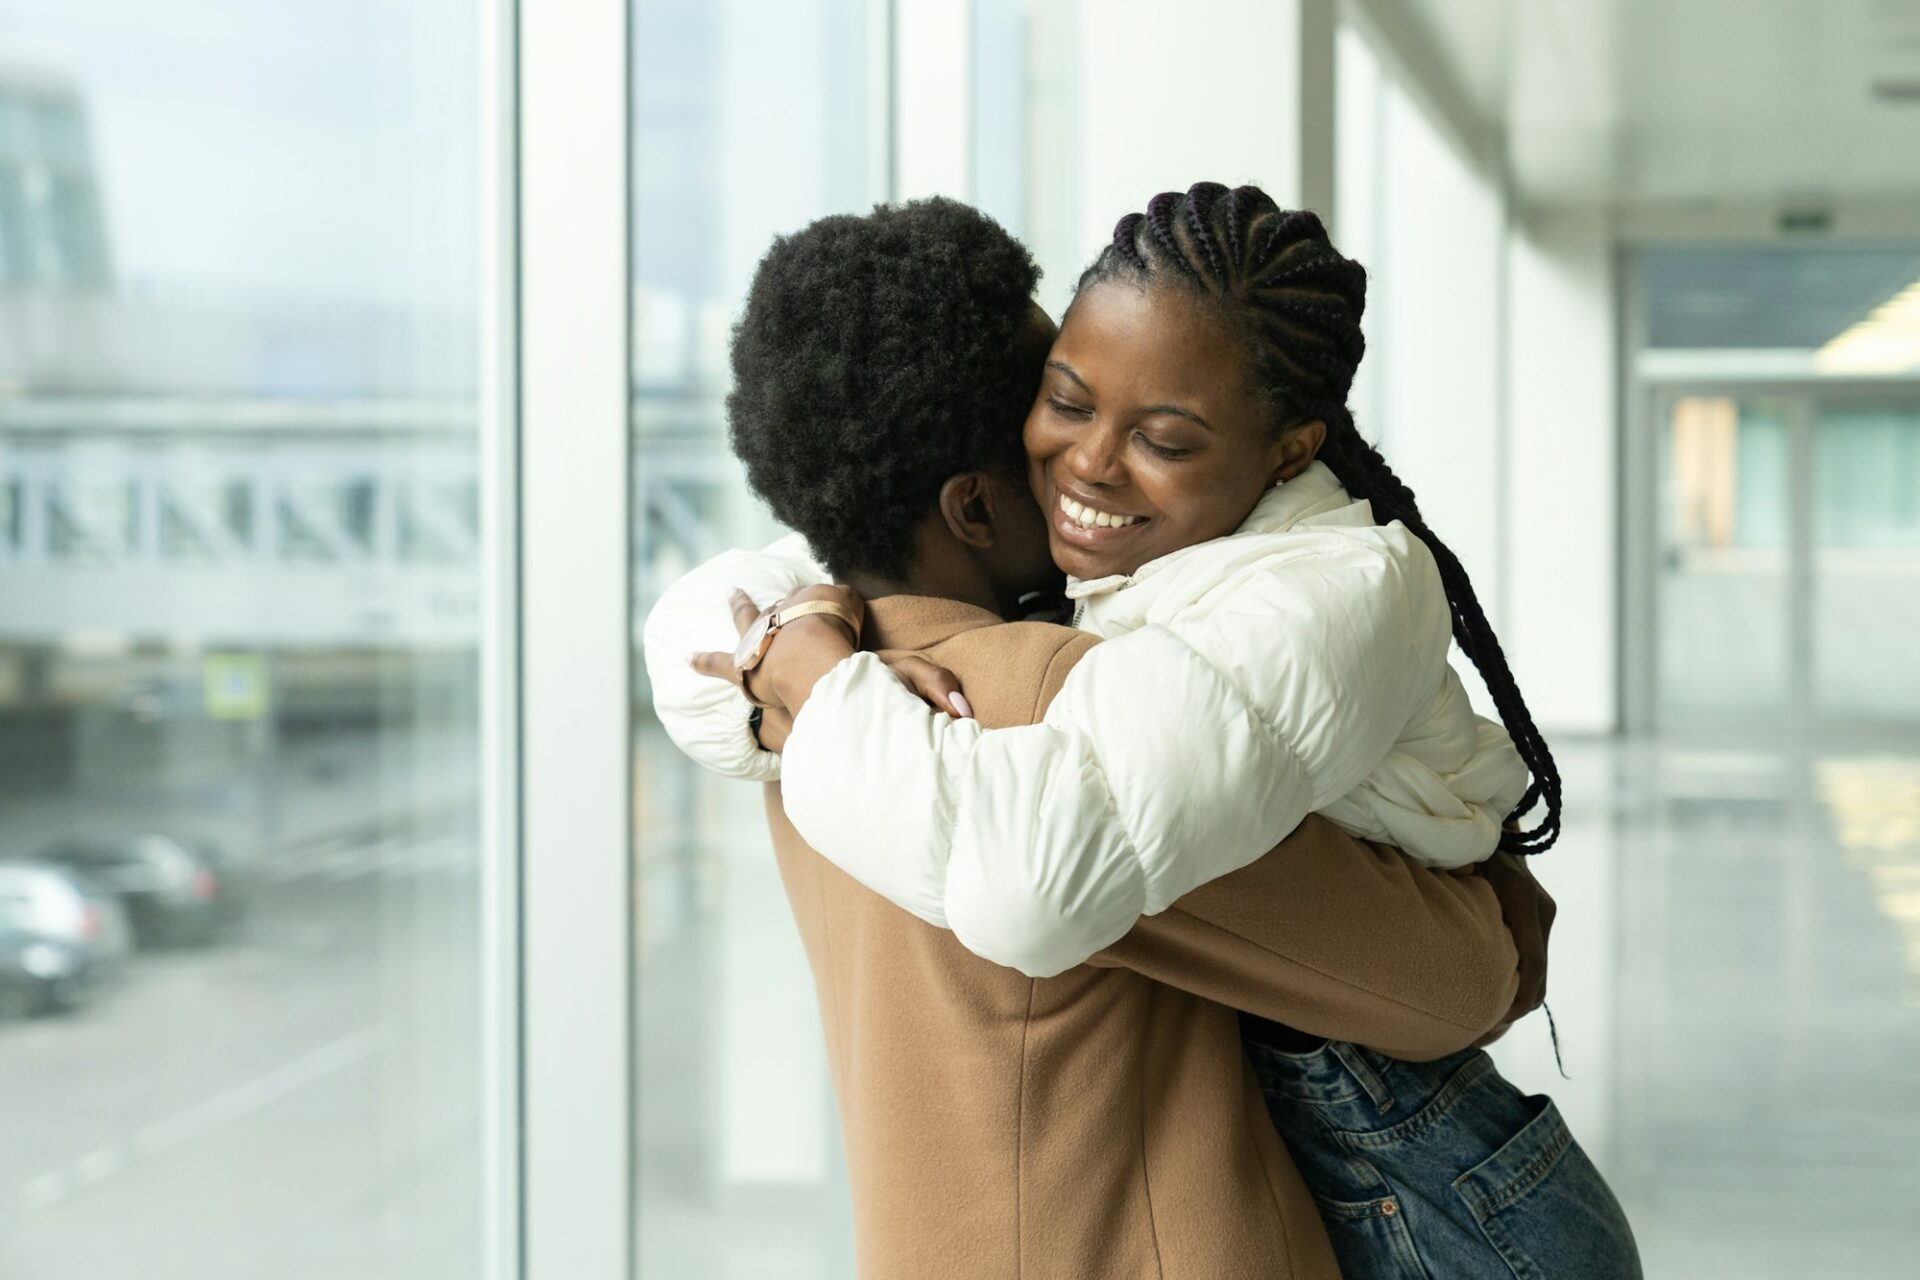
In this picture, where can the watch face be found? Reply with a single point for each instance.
(747, 656)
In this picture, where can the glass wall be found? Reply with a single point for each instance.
(740, 1172)
(240, 550)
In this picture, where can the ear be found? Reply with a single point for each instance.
(967, 506)
(1296, 449)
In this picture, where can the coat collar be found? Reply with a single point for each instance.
(920, 622)
(1315, 496)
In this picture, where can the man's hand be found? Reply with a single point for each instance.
(787, 667)
(1528, 913)
(802, 651)
(775, 724)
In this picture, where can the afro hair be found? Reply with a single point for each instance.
(879, 356)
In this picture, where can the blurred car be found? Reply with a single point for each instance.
(59, 937)
(38, 975)
(176, 892)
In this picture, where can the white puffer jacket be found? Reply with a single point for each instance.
(1298, 665)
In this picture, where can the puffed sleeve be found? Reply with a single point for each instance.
(1172, 755)
(705, 717)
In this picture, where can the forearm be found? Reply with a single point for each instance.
(1341, 939)
(1040, 844)
(803, 653)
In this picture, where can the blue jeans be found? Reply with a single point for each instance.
(1441, 1170)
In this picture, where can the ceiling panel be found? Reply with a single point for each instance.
(1767, 297)
(1664, 102)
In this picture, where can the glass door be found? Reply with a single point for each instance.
(1865, 560)
(1723, 578)
(1786, 583)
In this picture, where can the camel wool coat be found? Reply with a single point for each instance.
(1103, 1123)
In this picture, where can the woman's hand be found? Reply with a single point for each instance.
(938, 687)
(800, 653)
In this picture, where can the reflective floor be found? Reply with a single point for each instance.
(1757, 961)
(1736, 985)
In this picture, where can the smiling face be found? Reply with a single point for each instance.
(1147, 435)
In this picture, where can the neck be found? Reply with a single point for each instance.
(930, 580)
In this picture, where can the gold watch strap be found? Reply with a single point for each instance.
(810, 608)
(781, 618)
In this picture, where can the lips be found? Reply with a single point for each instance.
(1089, 526)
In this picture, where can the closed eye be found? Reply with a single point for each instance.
(1068, 409)
(1162, 450)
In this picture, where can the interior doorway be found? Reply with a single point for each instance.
(1784, 588)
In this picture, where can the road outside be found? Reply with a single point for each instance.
(300, 1099)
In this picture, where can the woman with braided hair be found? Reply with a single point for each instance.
(1278, 617)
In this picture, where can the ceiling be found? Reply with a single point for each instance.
(1791, 297)
(1674, 103)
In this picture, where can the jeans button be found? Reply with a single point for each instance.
(1389, 1207)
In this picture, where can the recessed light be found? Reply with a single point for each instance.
(1887, 341)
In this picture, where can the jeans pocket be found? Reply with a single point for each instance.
(1371, 1239)
(1546, 1210)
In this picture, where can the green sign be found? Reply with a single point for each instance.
(236, 686)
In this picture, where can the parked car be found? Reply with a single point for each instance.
(176, 891)
(59, 937)
(38, 975)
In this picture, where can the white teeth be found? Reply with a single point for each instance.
(1088, 518)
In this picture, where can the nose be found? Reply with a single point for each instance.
(1096, 459)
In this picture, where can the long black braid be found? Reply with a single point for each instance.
(1279, 283)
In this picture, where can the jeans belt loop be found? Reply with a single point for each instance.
(1363, 1072)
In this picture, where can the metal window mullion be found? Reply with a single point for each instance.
(498, 436)
(575, 640)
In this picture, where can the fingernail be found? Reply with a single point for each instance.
(960, 707)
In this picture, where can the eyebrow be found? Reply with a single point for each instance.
(1067, 369)
(1173, 409)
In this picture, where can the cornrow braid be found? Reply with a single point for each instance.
(1124, 233)
(1297, 302)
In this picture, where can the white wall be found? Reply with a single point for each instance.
(1561, 626)
(1435, 308)
(1170, 97)
(1128, 98)
(1488, 383)
(1429, 232)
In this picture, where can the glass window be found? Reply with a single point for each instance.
(740, 1170)
(237, 722)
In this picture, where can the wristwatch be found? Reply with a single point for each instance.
(759, 637)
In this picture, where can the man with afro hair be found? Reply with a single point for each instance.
(1102, 1122)
(882, 371)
